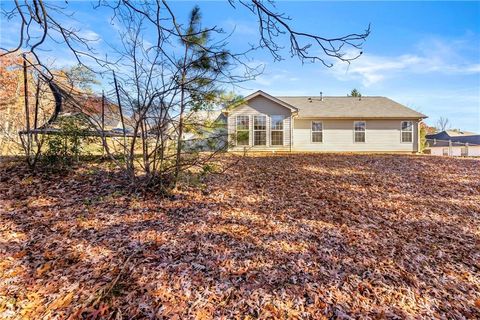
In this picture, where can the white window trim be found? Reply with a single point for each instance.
(272, 130)
(236, 130)
(254, 130)
(402, 131)
(354, 131)
(311, 131)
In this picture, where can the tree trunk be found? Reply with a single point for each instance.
(180, 120)
(28, 144)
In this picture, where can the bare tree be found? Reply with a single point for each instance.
(41, 21)
(273, 24)
(161, 78)
(25, 100)
(443, 124)
(46, 21)
(160, 81)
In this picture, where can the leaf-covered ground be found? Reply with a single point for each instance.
(294, 236)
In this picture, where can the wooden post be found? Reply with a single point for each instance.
(121, 116)
(25, 92)
(37, 102)
(27, 109)
(103, 123)
(103, 111)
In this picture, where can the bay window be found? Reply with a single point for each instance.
(243, 130)
(276, 131)
(259, 130)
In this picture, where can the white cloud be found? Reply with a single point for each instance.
(89, 35)
(240, 27)
(433, 56)
(460, 105)
(273, 78)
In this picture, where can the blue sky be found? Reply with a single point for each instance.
(425, 55)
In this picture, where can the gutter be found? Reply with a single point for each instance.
(291, 128)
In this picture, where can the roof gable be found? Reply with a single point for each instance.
(267, 96)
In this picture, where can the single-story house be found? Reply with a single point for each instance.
(262, 122)
(454, 143)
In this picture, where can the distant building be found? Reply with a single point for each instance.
(454, 143)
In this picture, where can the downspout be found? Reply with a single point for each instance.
(419, 138)
(291, 132)
(227, 138)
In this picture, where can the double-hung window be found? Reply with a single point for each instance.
(243, 130)
(359, 131)
(259, 130)
(464, 151)
(317, 131)
(407, 131)
(445, 151)
(276, 131)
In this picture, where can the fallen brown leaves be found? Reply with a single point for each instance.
(294, 236)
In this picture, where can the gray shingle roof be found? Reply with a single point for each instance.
(456, 136)
(444, 143)
(350, 107)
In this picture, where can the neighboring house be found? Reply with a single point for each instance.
(454, 143)
(331, 124)
(206, 130)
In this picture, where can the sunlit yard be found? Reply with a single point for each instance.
(286, 236)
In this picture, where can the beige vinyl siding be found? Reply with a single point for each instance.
(338, 136)
(261, 106)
